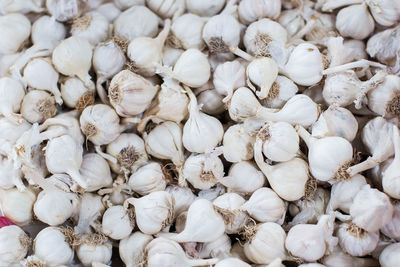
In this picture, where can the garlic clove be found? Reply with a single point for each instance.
(280, 92)
(94, 248)
(95, 172)
(383, 100)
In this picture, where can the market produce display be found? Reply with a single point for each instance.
(178, 133)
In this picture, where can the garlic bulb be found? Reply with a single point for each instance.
(20, 6)
(280, 92)
(73, 57)
(153, 212)
(371, 209)
(237, 144)
(221, 32)
(94, 248)
(124, 4)
(260, 34)
(250, 11)
(243, 177)
(227, 77)
(129, 150)
(355, 21)
(355, 240)
(201, 132)
(93, 26)
(118, 222)
(344, 192)
(148, 178)
(336, 121)
(14, 245)
(390, 255)
(340, 258)
(232, 262)
(40, 74)
(47, 32)
(38, 106)
(50, 246)
(10, 176)
(206, 8)
(196, 229)
(95, 172)
(261, 73)
(211, 102)
(12, 94)
(15, 29)
(145, 53)
(391, 229)
(383, 47)
(76, 95)
(64, 10)
(390, 177)
(132, 248)
(167, 10)
(328, 157)
(109, 10)
(221, 247)
(135, 22)
(383, 100)
(229, 206)
(17, 206)
(183, 198)
(186, 32)
(311, 242)
(304, 55)
(203, 171)
(130, 94)
(171, 55)
(91, 209)
(264, 243)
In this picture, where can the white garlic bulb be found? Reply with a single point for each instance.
(118, 222)
(64, 10)
(229, 205)
(371, 209)
(12, 94)
(153, 212)
(15, 29)
(383, 47)
(136, 21)
(221, 32)
(124, 4)
(95, 171)
(148, 178)
(280, 92)
(232, 262)
(390, 177)
(132, 248)
(73, 57)
(109, 10)
(51, 247)
(250, 11)
(207, 8)
(336, 121)
(311, 242)
(94, 248)
(14, 245)
(40, 74)
(356, 241)
(264, 205)
(17, 206)
(227, 77)
(38, 106)
(186, 32)
(10, 176)
(47, 32)
(340, 258)
(243, 177)
(171, 55)
(383, 100)
(390, 255)
(130, 94)
(211, 102)
(265, 242)
(91, 209)
(261, 73)
(76, 95)
(355, 21)
(21, 6)
(167, 10)
(183, 198)
(201, 132)
(392, 229)
(93, 26)
(237, 144)
(221, 247)
(328, 157)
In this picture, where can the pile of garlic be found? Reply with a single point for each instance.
(226, 133)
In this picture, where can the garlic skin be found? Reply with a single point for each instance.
(91, 209)
(371, 209)
(391, 229)
(95, 172)
(336, 121)
(117, 222)
(227, 77)
(250, 11)
(12, 94)
(93, 26)
(14, 245)
(147, 179)
(135, 22)
(10, 176)
(15, 29)
(166, 10)
(38, 106)
(50, 246)
(318, 242)
(211, 102)
(130, 94)
(17, 206)
(132, 248)
(383, 47)
(243, 177)
(183, 198)
(206, 8)
(280, 92)
(261, 73)
(304, 54)
(229, 206)
(356, 241)
(186, 32)
(383, 99)
(237, 144)
(45, 79)
(355, 21)
(153, 212)
(221, 32)
(264, 205)
(218, 248)
(203, 171)
(95, 248)
(76, 95)
(265, 243)
(390, 255)
(73, 57)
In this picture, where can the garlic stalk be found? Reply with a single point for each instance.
(12, 94)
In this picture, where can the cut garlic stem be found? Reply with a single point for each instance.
(333, 4)
(369, 85)
(305, 135)
(101, 91)
(240, 53)
(356, 64)
(367, 164)
(306, 29)
(202, 262)
(37, 178)
(14, 117)
(105, 155)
